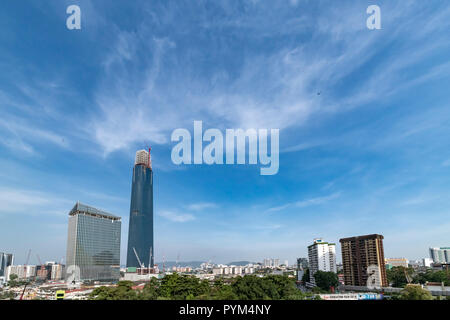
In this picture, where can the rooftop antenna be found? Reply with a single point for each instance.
(149, 165)
(149, 158)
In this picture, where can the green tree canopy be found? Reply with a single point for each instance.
(179, 287)
(306, 277)
(433, 276)
(270, 287)
(183, 287)
(415, 292)
(397, 276)
(325, 280)
(123, 291)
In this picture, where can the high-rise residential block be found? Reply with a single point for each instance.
(322, 257)
(363, 261)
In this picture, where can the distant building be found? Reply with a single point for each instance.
(237, 270)
(43, 272)
(180, 269)
(440, 255)
(57, 272)
(276, 263)
(426, 262)
(341, 278)
(10, 270)
(302, 263)
(363, 261)
(51, 270)
(249, 270)
(217, 271)
(396, 262)
(93, 245)
(271, 263)
(322, 257)
(21, 271)
(414, 264)
(6, 260)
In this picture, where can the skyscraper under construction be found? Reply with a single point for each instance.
(140, 233)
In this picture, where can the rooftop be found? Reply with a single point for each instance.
(85, 209)
(366, 237)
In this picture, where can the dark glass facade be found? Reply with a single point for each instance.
(93, 244)
(6, 260)
(140, 234)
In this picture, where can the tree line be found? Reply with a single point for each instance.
(184, 287)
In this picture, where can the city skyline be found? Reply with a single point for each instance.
(363, 118)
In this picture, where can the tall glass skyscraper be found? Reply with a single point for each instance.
(140, 234)
(93, 244)
(6, 260)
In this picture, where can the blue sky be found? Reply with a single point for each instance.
(370, 154)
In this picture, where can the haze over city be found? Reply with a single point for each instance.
(363, 119)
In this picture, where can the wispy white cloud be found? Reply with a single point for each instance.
(175, 216)
(201, 206)
(267, 227)
(317, 201)
(30, 202)
(306, 203)
(446, 163)
(143, 99)
(21, 132)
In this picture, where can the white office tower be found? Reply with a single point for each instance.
(322, 256)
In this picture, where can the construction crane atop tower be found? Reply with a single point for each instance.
(149, 157)
(137, 257)
(149, 165)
